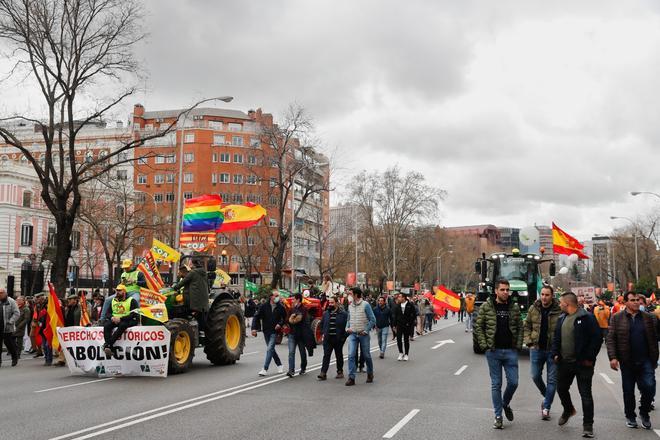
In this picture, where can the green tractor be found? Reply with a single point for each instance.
(523, 271)
(224, 338)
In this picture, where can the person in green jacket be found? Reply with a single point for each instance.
(196, 292)
(540, 326)
(499, 333)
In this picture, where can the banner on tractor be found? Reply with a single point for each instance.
(198, 241)
(141, 351)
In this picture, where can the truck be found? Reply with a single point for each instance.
(522, 271)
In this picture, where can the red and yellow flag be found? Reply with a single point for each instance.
(84, 312)
(447, 299)
(565, 244)
(54, 319)
(239, 217)
(150, 271)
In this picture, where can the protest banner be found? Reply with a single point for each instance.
(141, 351)
(588, 293)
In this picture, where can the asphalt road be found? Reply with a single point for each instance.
(441, 393)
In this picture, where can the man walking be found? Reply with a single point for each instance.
(469, 311)
(21, 324)
(297, 320)
(632, 345)
(270, 319)
(360, 321)
(9, 314)
(602, 314)
(383, 320)
(575, 347)
(499, 333)
(539, 331)
(333, 326)
(403, 318)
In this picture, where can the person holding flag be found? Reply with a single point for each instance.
(121, 317)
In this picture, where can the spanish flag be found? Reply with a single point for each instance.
(54, 319)
(565, 244)
(237, 217)
(447, 299)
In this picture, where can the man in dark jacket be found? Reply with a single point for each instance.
(9, 314)
(72, 311)
(540, 326)
(575, 347)
(632, 345)
(21, 323)
(269, 319)
(333, 327)
(296, 338)
(403, 319)
(383, 316)
(499, 333)
(196, 292)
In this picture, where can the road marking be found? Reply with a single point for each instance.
(441, 343)
(189, 403)
(247, 354)
(74, 385)
(460, 370)
(657, 431)
(392, 432)
(607, 378)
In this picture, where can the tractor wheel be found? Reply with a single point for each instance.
(317, 331)
(182, 348)
(225, 332)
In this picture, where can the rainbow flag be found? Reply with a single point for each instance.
(237, 217)
(202, 213)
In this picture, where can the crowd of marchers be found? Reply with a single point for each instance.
(564, 337)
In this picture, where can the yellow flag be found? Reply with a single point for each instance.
(163, 252)
(222, 276)
(157, 312)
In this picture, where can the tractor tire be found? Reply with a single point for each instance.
(182, 345)
(225, 332)
(317, 331)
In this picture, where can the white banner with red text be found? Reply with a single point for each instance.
(141, 351)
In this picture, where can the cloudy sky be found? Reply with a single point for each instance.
(524, 111)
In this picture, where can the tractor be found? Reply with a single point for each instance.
(224, 338)
(523, 271)
(315, 313)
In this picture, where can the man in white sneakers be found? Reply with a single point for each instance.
(403, 321)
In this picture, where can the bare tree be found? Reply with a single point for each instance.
(70, 50)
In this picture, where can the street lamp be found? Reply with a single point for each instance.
(636, 193)
(635, 239)
(438, 262)
(179, 193)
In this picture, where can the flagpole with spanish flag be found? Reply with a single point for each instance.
(55, 318)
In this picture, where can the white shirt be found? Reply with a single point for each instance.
(403, 306)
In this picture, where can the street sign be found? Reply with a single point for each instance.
(104, 278)
(71, 276)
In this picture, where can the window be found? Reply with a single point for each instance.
(26, 235)
(233, 126)
(225, 197)
(159, 178)
(222, 239)
(252, 160)
(237, 141)
(142, 160)
(122, 174)
(214, 157)
(160, 159)
(214, 178)
(273, 183)
(273, 200)
(27, 199)
(187, 177)
(237, 240)
(169, 178)
(187, 195)
(238, 179)
(189, 138)
(224, 177)
(238, 198)
(158, 198)
(274, 163)
(75, 240)
(254, 143)
(170, 158)
(140, 240)
(251, 179)
(272, 222)
(141, 197)
(251, 241)
(148, 127)
(238, 158)
(218, 139)
(189, 157)
(225, 157)
(215, 125)
(169, 197)
(142, 179)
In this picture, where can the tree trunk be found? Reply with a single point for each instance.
(278, 265)
(62, 254)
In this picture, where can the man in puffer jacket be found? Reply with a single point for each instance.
(499, 333)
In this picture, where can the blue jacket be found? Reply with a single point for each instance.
(588, 337)
(267, 318)
(383, 316)
(371, 319)
(340, 323)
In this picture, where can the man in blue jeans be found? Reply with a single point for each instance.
(270, 319)
(383, 322)
(632, 345)
(539, 328)
(360, 321)
(499, 333)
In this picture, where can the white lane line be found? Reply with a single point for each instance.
(392, 432)
(657, 431)
(74, 385)
(606, 378)
(460, 370)
(247, 354)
